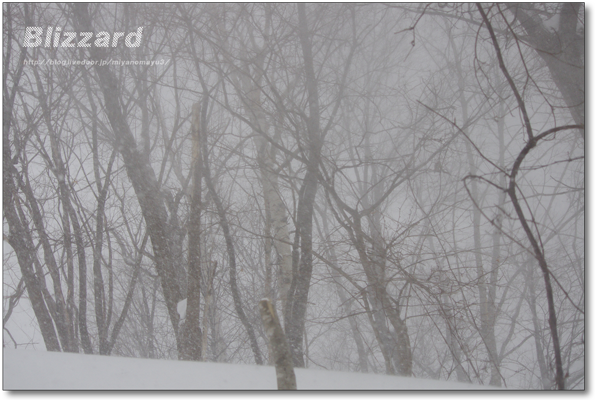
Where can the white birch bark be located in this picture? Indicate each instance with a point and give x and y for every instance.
(266, 157)
(284, 365)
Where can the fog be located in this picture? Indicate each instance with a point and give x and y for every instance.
(404, 182)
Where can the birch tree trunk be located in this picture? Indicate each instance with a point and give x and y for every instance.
(266, 158)
(284, 365)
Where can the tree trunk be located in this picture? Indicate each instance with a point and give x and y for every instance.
(139, 171)
(18, 237)
(298, 294)
(562, 51)
(191, 336)
(284, 366)
(266, 158)
(24, 249)
(529, 274)
(223, 222)
(344, 299)
(486, 290)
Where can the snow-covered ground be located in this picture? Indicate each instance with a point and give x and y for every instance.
(41, 370)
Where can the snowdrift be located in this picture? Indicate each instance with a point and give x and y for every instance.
(41, 370)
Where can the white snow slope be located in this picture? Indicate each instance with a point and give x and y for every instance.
(41, 370)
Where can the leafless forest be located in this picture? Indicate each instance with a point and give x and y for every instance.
(404, 181)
